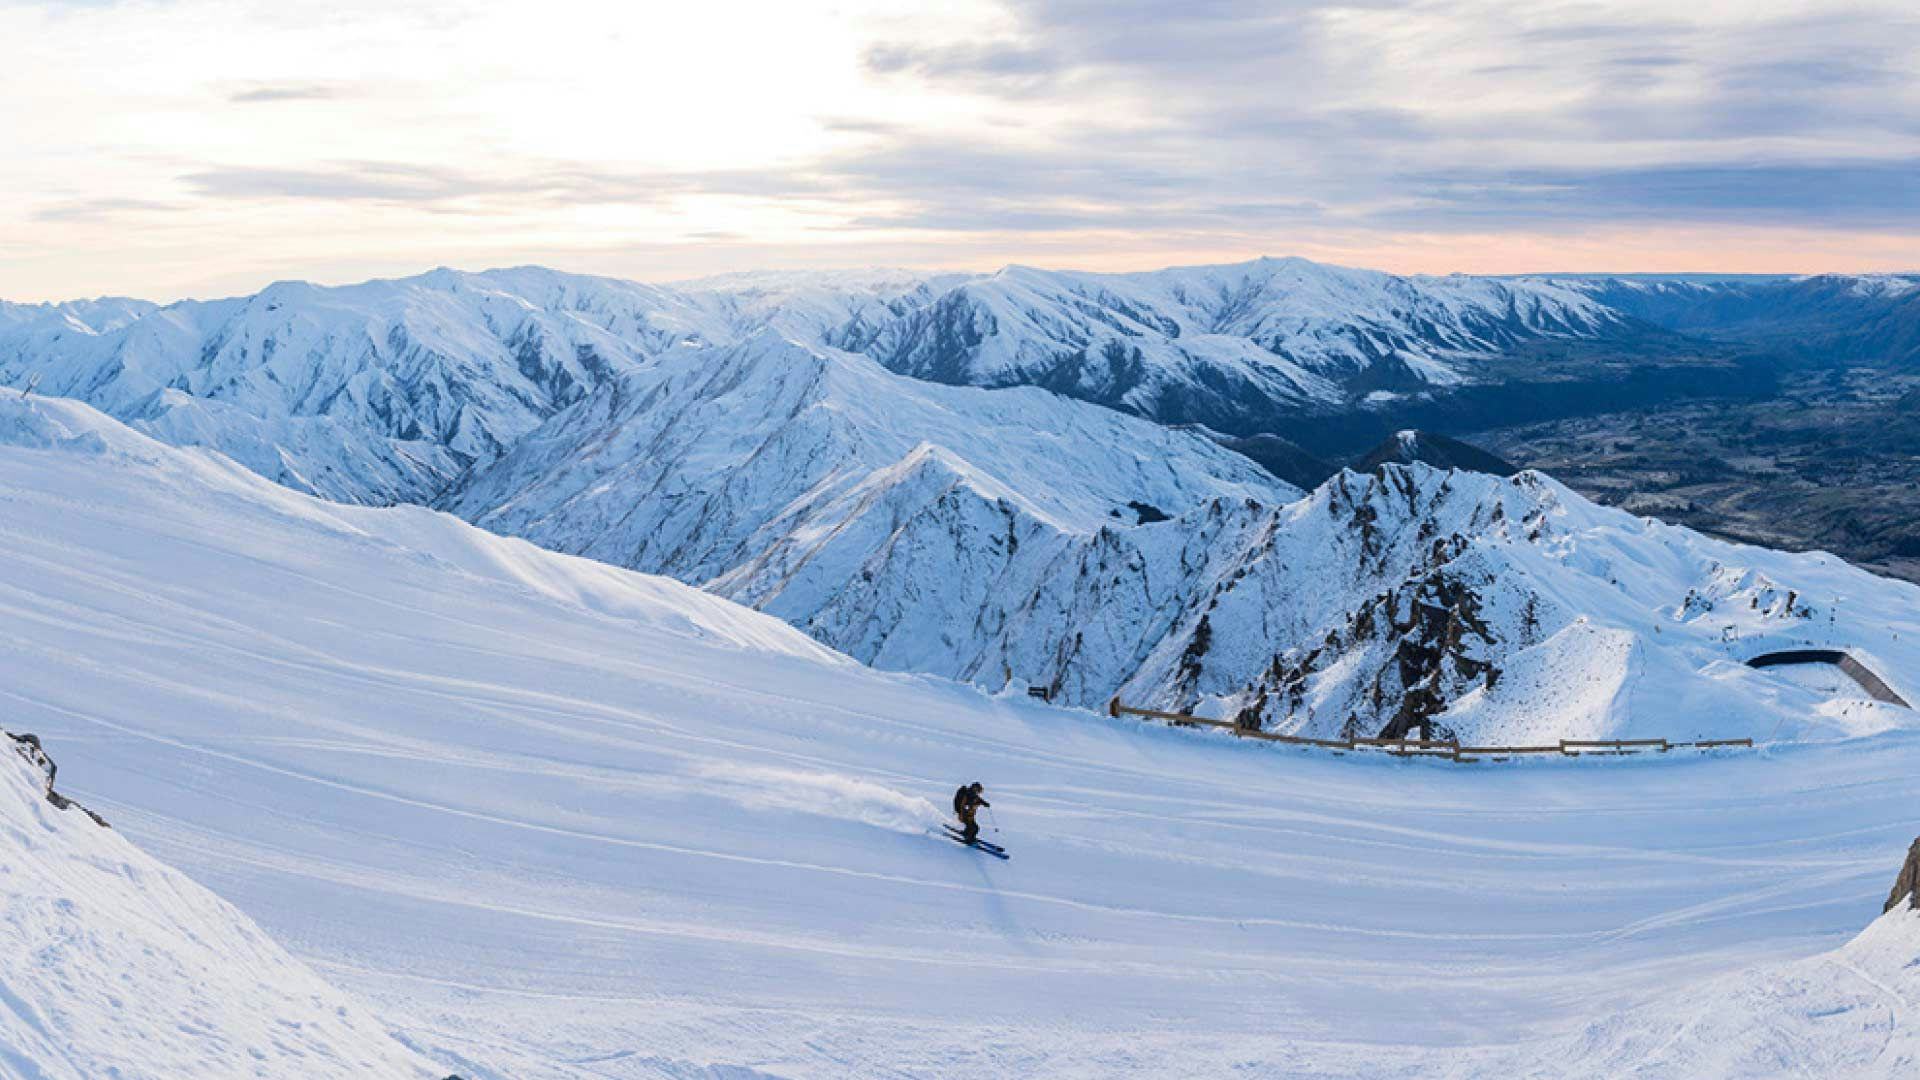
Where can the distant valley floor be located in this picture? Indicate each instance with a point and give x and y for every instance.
(1832, 463)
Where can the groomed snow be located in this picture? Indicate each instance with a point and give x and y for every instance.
(556, 820)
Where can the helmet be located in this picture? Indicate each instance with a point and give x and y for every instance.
(976, 786)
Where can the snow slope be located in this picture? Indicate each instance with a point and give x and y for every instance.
(112, 964)
(1850, 1012)
(556, 820)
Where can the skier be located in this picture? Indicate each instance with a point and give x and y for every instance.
(966, 803)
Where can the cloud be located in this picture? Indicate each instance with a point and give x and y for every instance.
(284, 92)
(999, 60)
(101, 209)
(356, 181)
(1230, 116)
(1083, 128)
(1374, 114)
(403, 183)
(1853, 194)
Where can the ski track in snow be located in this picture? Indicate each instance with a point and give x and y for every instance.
(545, 839)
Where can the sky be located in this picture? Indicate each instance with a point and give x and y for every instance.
(171, 148)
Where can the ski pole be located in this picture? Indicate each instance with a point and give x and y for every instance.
(995, 820)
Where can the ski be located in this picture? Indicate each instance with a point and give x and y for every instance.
(998, 853)
(962, 837)
(987, 846)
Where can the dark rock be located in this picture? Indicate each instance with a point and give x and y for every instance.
(1280, 457)
(28, 746)
(1439, 451)
(1147, 513)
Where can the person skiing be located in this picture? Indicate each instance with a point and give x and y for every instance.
(967, 802)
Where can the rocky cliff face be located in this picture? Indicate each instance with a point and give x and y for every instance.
(1906, 887)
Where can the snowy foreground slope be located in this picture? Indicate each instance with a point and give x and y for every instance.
(114, 965)
(553, 819)
(1845, 1013)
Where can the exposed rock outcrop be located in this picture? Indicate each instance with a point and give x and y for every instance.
(28, 746)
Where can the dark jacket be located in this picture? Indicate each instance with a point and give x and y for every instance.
(966, 803)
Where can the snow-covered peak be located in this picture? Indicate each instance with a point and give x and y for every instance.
(1884, 286)
(386, 390)
(71, 317)
(679, 465)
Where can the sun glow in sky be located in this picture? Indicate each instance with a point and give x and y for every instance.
(189, 147)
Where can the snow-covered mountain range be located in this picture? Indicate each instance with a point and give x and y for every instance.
(385, 391)
(754, 435)
(1835, 318)
(1237, 347)
(1013, 538)
(901, 521)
